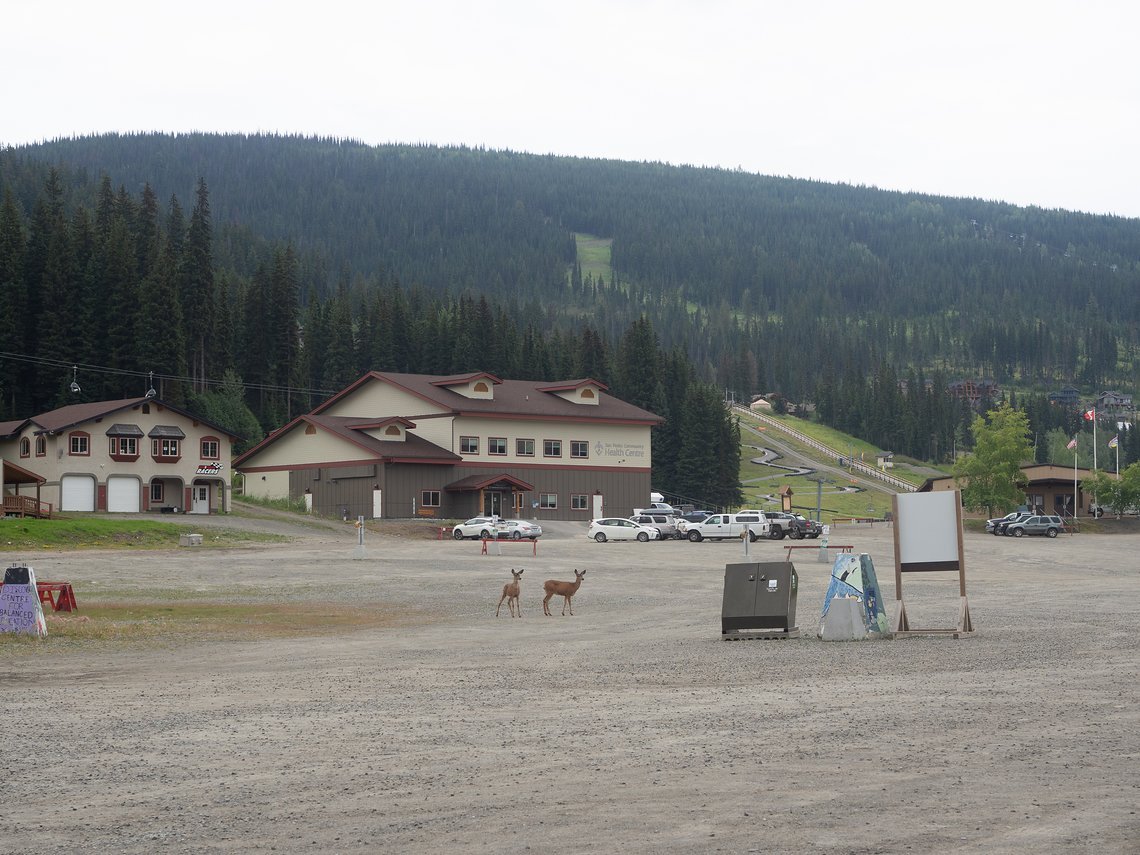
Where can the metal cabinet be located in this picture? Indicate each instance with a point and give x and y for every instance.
(759, 596)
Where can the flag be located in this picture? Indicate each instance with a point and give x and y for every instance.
(1072, 444)
(1090, 415)
(1112, 442)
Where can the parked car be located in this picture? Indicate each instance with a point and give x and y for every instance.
(518, 529)
(665, 524)
(724, 526)
(619, 528)
(1008, 518)
(795, 526)
(1048, 526)
(1000, 525)
(656, 508)
(480, 527)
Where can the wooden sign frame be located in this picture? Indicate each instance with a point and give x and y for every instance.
(928, 538)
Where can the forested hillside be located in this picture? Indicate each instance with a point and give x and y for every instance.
(297, 263)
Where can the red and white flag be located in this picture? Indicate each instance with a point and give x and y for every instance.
(1090, 415)
(1072, 444)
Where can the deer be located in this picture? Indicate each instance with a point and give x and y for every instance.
(566, 590)
(511, 595)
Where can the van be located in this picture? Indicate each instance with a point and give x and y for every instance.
(665, 524)
(725, 526)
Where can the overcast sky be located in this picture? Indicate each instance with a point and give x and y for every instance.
(1035, 103)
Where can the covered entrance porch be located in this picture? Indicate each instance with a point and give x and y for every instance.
(499, 495)
(20, 504)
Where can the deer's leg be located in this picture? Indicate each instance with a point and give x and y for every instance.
(546, 604)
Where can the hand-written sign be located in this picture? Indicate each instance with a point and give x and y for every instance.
(20, 609)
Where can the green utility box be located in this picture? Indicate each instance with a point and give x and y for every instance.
(759, 597)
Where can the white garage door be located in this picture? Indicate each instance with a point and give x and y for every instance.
(122, 494)
(77, 493)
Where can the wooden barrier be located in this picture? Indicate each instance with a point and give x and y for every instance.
(841, 547)
(500, 540)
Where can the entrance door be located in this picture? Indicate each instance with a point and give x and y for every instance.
(200, 499)
(492, 504)
(597, 500)
(377, 505)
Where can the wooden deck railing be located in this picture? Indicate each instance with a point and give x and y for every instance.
(26, 506)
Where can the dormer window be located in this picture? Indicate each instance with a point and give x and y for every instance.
(588, 394)
(392, 430)
(481, 386)
(25, 447)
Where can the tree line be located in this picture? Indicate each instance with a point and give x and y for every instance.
(131, 293)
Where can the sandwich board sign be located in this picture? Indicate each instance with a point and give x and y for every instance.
(928, 539)
(20, 609)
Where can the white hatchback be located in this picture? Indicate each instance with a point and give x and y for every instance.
(618, 528)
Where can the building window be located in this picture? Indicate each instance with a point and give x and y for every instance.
(41, 446)
(524, 447)
(429, 499)
(156, 491)
(579, 502)
(552, 448)
(210, 447)
(164, 447)
(468, 445)
(124, 446)
(497, 445)
(25, 447)
(79, 444)
(548, 501)
(579, 448)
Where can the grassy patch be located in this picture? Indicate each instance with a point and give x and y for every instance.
(95, 533)
(296, 506)
(594, 256)
(171, 619)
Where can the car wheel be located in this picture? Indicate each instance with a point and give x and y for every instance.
(694, 537)
(778, 533)
(486, 535)
(600, 537)
(516, 536)
(643, 536)
(796, 534)
(1018, 532)
(457, 534)
(1052, 532)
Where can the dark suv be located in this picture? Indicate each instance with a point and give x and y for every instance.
(1048, 526)
(1000, 526)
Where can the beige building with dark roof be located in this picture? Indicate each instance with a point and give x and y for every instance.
(127, 456)
(404, 445)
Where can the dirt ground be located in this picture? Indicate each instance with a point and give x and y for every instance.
(630, 727)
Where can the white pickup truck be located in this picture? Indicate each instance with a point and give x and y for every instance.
(725, 526)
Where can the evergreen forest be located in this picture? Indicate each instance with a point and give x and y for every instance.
(254, 275)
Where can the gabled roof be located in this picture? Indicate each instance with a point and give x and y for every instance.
(462, 379)
(570, 385)
(10, 429)
(480, 482)
(72, 415)
(350, 429)
(521, 398)
(14, 474)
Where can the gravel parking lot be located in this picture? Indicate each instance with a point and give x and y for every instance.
(631, 726)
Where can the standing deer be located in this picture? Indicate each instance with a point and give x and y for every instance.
(566, 590)
(511, 595)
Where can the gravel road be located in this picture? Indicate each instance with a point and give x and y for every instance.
(630, 727)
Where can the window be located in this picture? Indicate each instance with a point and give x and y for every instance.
(524, 447)
(210, 446)
(79, 444)
(552, 448)
(124, 446)
(468, 445)
(497, 445)
(429, 499)
(164, 447)
(579, 448)
(41, 446)
(25, 447)
(548, 501)
(579, 502)
(156, 491)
